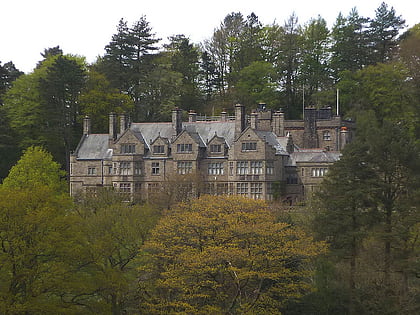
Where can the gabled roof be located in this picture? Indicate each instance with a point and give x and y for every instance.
(276, 142)
(138, 135)
(201, 130)
(194, 135)
(207, 130)
(94, 147)
(150, 131)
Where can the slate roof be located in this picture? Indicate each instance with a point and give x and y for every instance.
(314, 156)
(207, 130)
(94, 147)
(150, 131)
(276, 142)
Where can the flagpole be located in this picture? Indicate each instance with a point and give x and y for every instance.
(338, 97)
(303, 101)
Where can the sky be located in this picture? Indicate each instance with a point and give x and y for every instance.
(85, 27)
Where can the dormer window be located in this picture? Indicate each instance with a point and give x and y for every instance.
(158, 149)
(184, 148)
(128, 148)
(249, 146)
(215, 148)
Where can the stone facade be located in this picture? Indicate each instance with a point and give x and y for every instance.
(261, 156)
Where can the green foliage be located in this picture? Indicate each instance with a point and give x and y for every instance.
(256, 84)
(184, 60)
(98, 99)
(385, 28)
(42, 106)
(367, 210)
(8, 74)
(349, 43)
(36, 236)
(225, 255)
(60, 89)
(36, 168)
(114, 230)
(60, 258)
(314, 69)
(128, 63)
(23, 109)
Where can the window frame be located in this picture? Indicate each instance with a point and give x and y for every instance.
(184, 148)
(248, 146)
(269, 167)
(184, 167)
(159, 149)
(242, 168)
(91, 171)
(256, 190)
(128, 148)
(125, 168)
(155, 168)
(326, 135)
(215, 148)
(256, 167)
(242, 189)
(215, 168)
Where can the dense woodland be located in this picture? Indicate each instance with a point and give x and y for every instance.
(354, 249)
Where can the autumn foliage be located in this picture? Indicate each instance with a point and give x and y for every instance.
(225, 254)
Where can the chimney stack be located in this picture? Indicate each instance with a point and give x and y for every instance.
(290, 146)
(112, 126)
(223, 116)
(123, 123)
(344, 137)
(239, 119)
(192, 116)
(86, 125)
(278, 123)
(177, 121)
(310, 135)
(254, 120)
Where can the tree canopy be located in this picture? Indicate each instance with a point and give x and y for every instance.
(225, 254)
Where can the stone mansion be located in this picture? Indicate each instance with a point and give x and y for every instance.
(260, 155)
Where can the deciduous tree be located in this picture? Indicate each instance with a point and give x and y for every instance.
(225, 255)
(36, 167)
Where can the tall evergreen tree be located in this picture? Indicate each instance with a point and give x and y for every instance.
(314, 70)
(8, 74)
(384, 30)
(128, 62)
(290, 56)
(185, 60)
(60, 90)
(349, 43)
(369, 202)
(210, 79)
(115, 62)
